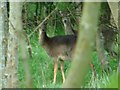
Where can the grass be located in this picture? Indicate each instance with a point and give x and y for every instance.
(41, 67)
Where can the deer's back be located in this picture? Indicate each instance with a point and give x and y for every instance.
(61, 46)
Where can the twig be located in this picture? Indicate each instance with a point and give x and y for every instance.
(72, 15)
(42, 22)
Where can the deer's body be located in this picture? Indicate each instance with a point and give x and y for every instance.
(59, 48)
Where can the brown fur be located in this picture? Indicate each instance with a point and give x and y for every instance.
(59, 48)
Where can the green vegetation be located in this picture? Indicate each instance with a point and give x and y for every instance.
(41, 66)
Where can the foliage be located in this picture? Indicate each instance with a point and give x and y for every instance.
(64, 6)
(41, 65)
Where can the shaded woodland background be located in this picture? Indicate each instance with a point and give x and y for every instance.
(30, 56)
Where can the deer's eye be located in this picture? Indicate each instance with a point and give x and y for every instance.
(65, 21)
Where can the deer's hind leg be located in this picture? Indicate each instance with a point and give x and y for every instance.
(62, 70)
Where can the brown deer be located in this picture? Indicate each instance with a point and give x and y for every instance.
(59, 47)
(67, 24)
(70, 31)
(99, 45)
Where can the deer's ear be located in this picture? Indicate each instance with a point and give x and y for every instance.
(40, 31)
(68, 14)
(61, 13)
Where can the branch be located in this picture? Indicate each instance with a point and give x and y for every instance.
(43, 22)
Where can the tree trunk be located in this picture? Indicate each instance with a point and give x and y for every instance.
(78, 11)
(84, 47)
(119, 39)
(12, 55)
(101, 51)
(114, 9)
(3, 41)
(24, 17)
(36, 12)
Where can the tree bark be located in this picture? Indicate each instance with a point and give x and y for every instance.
(12, 55)
(119, 39)
(11, 66)
(24, 45)
(101, 52)
(84, 47)
(24, 19)
(114, 9)
(3, 41)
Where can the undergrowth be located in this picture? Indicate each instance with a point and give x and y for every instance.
(41, 69)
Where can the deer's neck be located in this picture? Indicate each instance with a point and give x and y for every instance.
(68, 29)
(44, 38)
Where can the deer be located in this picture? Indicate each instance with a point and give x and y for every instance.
(101, 34)
(67, 24)
(60, 48)
(69, 30)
